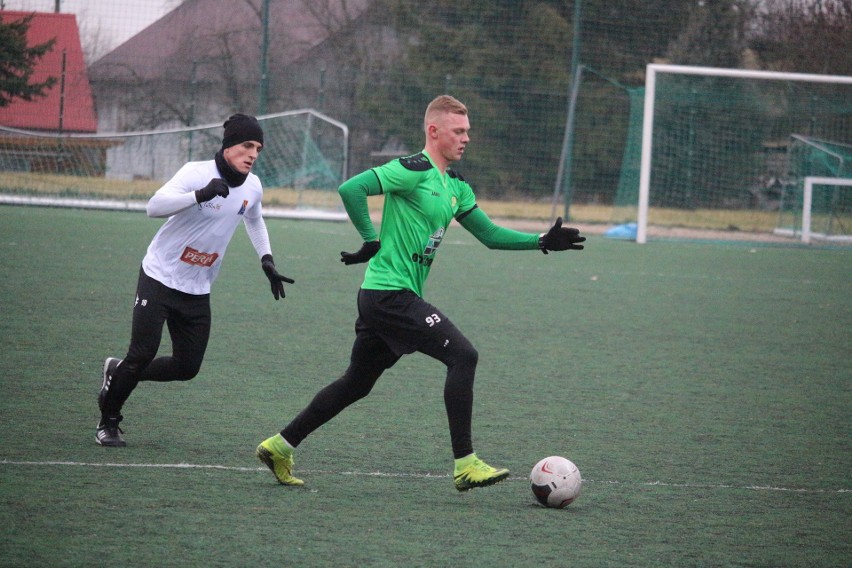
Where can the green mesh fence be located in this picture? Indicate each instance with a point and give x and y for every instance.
(627, 197)
(720, 146)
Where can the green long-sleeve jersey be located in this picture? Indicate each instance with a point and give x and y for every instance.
(420, 203)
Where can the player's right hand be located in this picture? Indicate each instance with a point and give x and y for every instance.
(368, 251)
(216, 188)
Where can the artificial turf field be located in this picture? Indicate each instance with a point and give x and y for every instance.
(703, 389)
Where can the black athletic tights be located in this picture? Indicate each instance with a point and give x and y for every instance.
(371, 356)
(188, 319)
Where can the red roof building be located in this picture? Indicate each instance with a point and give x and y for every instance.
(69, 105)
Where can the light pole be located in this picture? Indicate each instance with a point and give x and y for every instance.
(264, 48)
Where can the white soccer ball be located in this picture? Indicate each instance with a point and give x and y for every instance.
(555, 482)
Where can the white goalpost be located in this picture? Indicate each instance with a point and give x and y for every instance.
(807, 201)
(305, 159)
(764, 102)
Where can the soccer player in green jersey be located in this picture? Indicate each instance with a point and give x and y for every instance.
(422, 196)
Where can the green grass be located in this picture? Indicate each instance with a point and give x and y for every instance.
(702, 389)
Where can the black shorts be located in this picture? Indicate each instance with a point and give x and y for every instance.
(405, 321)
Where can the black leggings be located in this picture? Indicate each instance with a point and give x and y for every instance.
(188, 318)
(378, 348)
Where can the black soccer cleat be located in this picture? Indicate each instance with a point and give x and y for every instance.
(109, 434)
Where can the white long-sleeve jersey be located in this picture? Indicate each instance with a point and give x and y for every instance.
(186, 253)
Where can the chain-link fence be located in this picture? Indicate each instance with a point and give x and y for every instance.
(373, 65)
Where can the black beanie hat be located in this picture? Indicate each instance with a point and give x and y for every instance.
(240, 128)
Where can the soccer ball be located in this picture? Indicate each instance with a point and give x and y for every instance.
(555, 482)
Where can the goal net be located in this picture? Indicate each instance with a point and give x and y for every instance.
(304, 160)
(727, 150)
(816, 202)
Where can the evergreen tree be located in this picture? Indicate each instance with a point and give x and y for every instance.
(17, 62)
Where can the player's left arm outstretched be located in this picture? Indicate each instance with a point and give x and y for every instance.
(558, 238)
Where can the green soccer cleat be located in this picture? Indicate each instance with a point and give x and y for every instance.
(278, 457)
(470, 472)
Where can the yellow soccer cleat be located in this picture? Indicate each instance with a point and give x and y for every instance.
(470, 472)
(278, 457)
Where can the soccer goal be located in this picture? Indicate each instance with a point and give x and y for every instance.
(717, 147)
(814, 203)
(825, 219)
(304, 160)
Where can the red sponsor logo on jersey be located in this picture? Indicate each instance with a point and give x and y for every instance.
(198, 258)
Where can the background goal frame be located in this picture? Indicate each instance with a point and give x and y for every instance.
(807, 201)
(649, 109)
(305, 158)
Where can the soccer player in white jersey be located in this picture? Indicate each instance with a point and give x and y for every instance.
(204, 202)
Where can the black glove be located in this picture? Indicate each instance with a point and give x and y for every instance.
(368, 251)
(275, 279)
(560, 238)
(216, 187)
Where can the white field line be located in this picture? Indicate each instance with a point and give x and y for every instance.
(413, 475)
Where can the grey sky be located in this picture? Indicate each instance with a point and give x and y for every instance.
(104, 24)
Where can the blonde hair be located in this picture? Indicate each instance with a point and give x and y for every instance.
(440, 105)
